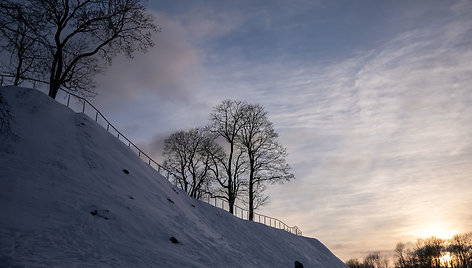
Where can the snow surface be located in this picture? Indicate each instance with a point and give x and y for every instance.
(66, 202)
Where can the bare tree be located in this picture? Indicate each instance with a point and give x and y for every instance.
(428, 252)
(400, 258)
(81, 35)
(372, 260)
(354, 263)
(226, 122)
(266, 156)
(250, 158)
(21, 50)
(460, 247)
(375, 260)
(186, 156)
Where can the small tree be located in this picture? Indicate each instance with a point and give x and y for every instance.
(460, 248)
(354, 263)
(375, 260)
(427, 252)
(186, 156)
(265, 155)
(372, 260)
(400, 255)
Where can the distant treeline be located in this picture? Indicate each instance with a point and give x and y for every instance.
(425, 253)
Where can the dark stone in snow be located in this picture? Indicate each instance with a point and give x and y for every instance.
(125, 171)
(298, 264)
(168, 199)
(130, 197)
(174, 240)
(101, 213)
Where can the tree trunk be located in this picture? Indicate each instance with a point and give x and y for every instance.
(231, 203)
(251, 201)
(251, 190)
(230, 195)
(53, 89)
(56, 69)
(230, 179)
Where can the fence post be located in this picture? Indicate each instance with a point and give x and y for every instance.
(68, 99)
(83, 107)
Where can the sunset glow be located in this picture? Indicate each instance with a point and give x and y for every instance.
(446, 260)
(439, 230)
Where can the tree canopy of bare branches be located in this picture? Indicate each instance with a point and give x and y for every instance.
(186, 155)
(20, 49)
(238, 153)
(226, 122)
(74, 38)
(266, 156)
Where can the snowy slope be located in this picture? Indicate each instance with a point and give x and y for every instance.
(66, 202)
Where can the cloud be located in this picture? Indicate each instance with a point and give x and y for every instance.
(155, 147)
(382, 140)
(171, 69)
(205, 24)
(375, 140)
(160, 91)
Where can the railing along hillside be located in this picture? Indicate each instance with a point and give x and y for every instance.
(80, 104)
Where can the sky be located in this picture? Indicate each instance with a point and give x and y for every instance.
(372, 99)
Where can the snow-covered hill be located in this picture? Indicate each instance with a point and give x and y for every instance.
(66, 200)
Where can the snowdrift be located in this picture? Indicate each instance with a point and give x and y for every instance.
(72, 195)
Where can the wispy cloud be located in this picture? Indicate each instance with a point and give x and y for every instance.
(161, 70)
(383, 140)
(157, 92)
(380, 141)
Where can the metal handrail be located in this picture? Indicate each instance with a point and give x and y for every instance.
(238, 211)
